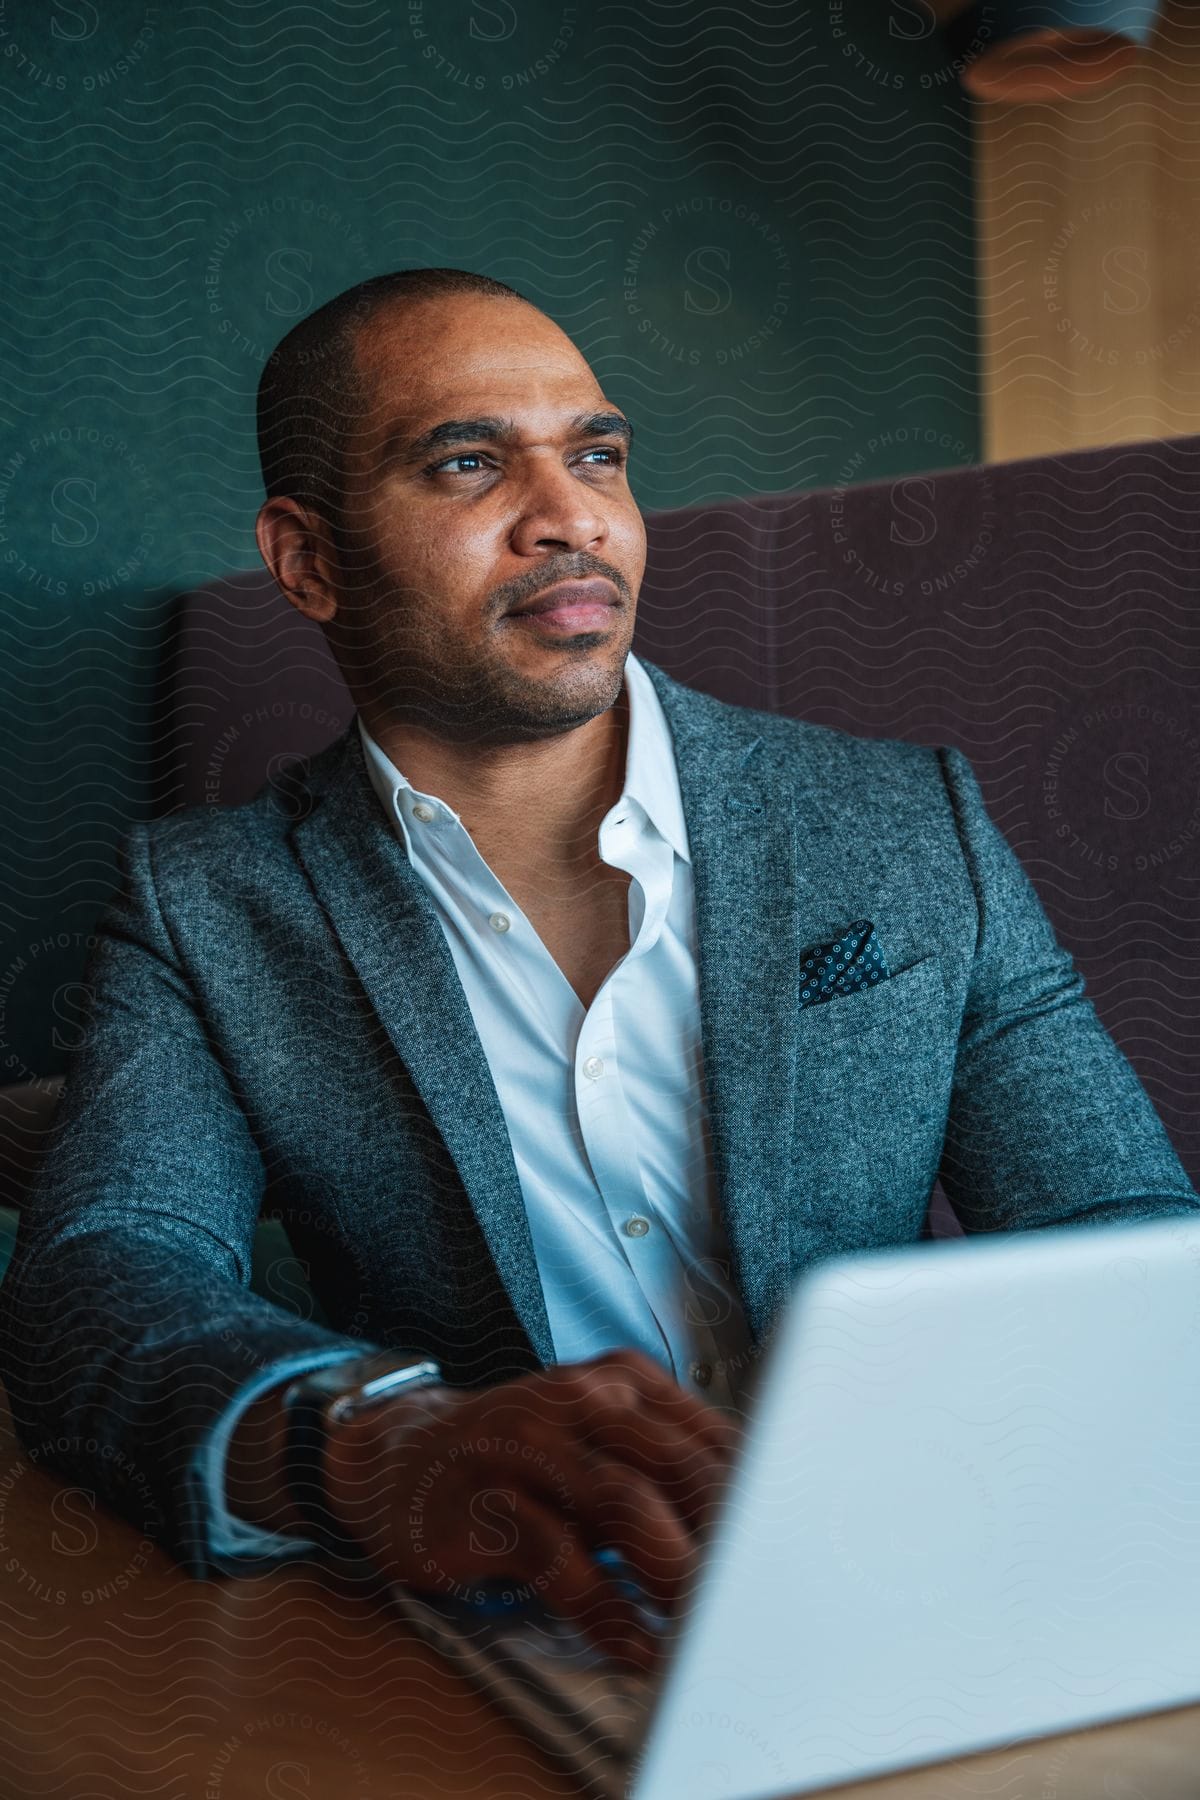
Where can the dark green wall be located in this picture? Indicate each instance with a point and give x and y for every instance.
(754, 218)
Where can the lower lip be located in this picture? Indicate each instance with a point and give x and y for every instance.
(562, 620)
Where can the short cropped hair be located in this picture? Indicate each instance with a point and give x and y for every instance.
(311, 393)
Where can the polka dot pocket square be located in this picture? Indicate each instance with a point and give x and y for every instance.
(852, 962)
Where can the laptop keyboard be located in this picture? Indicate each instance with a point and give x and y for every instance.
(541, 1670)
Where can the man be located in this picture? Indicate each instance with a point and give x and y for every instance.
(565, 1018)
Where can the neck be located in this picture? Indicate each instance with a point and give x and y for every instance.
(536, 805)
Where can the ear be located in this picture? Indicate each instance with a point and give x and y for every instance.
(295, 544)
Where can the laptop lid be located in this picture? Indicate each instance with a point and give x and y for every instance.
(968, 1513)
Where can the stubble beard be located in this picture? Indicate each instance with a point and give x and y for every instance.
(409, 666)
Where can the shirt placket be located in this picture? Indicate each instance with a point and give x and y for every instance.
(605, 1122)
(521, 959)
(640, 1233)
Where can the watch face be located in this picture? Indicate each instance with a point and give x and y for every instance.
(354, 1372)
(360, 1381)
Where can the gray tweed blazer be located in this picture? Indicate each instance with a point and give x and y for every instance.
(276, 1024)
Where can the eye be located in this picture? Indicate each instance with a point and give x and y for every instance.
(614, 456)
(464, 456)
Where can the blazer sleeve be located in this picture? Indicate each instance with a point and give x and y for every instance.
(126, 1322)
(1048, 1123)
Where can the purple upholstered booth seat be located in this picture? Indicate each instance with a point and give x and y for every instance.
(1044, 616)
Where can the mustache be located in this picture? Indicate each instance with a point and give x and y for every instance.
(548, 574)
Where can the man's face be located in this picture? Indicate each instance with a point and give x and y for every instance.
(488, 470)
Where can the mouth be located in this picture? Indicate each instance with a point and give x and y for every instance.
(570, 606)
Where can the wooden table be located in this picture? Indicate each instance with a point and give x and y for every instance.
(121, 1678)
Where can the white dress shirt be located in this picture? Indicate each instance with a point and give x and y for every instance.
(605, 1105)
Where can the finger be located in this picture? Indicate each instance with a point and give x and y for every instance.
(687, 1446)
(674, 1418)
(682, 1466)
(677, 1459)
(556, 1568)
(626, 1512)
(606, 1502)
(587, 1594)
(622, 1384)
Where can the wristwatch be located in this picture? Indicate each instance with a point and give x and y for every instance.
(320, 1397)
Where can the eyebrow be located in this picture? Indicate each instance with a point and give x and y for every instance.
(399, 449)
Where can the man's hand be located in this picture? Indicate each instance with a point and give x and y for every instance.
(519, 1484)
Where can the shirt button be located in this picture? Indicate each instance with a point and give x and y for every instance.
(423, 811)
(636, 1227)
(701, 1373)
(499, 921)
(593, 1068)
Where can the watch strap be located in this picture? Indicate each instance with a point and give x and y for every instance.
(307, 1403)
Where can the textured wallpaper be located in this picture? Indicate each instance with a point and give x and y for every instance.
(755, 219)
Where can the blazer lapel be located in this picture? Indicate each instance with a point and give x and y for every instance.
(762, 849)
(389, 928)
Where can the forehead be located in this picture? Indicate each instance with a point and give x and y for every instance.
(470, 355)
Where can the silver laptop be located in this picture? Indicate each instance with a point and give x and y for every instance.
(967, 1514)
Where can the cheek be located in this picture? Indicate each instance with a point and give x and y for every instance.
(428, 555)
(449, 571)
(627, 534)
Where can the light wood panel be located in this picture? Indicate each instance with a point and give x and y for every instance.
(121, 1677)
(1088, 223)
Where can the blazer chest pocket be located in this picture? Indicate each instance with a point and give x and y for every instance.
(910, 1000)
(873, 1076)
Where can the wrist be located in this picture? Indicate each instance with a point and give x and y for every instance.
(255, 1489)
(343, 1395)
(368, 1459)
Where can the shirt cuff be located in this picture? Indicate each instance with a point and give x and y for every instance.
(231, 1538)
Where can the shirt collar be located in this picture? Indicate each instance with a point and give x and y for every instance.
(651, 775)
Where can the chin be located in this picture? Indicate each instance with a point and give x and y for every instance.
(581, 682)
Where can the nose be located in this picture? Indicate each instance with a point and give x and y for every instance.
(558, 512)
